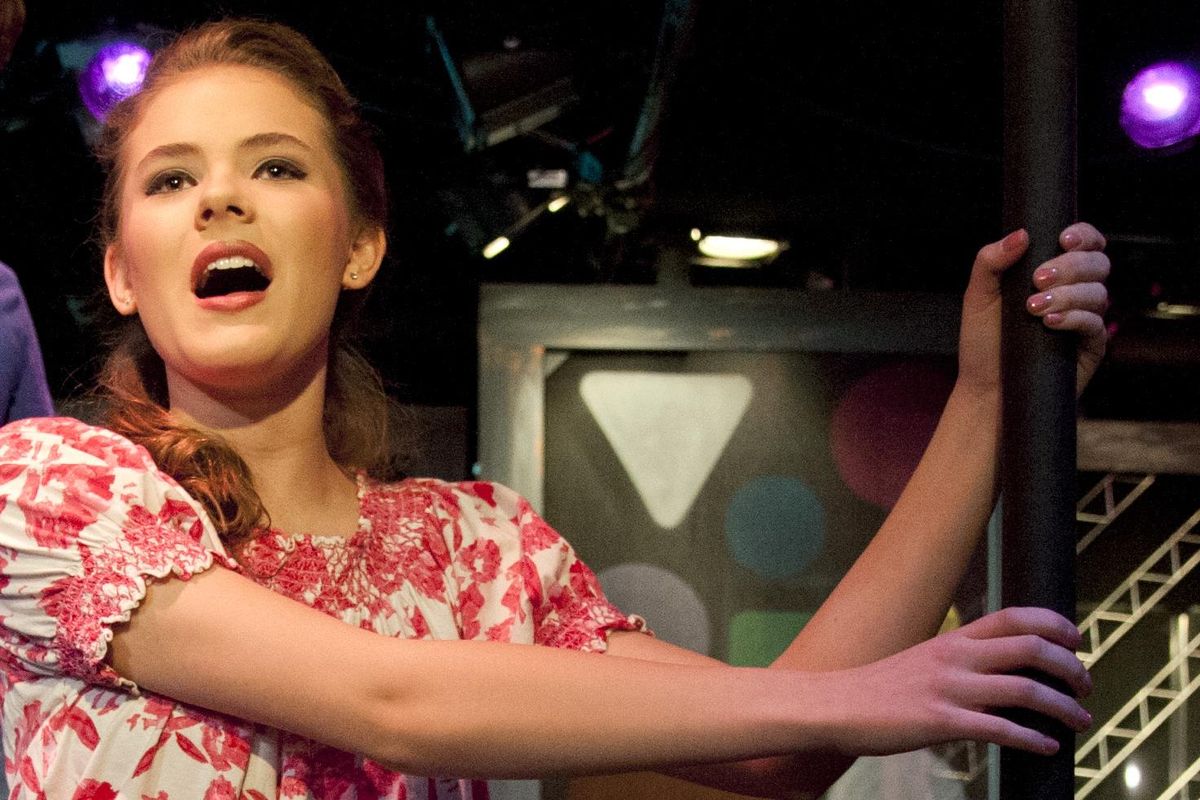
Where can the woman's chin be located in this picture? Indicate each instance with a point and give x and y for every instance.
(246, 369)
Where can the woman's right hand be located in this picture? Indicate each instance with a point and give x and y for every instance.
(953, 687)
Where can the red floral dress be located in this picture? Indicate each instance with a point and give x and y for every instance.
(86, 518)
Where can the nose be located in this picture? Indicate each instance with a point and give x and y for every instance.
(222, 200)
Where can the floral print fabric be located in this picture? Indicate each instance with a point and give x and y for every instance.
(86, 519)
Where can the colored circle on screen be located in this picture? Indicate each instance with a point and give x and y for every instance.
(882, 424)
(673, 609)
(775, 526)
(756, 638)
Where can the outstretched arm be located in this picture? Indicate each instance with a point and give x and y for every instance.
(897, 592)
(498, 710)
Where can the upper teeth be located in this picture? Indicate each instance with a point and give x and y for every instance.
(231, 262)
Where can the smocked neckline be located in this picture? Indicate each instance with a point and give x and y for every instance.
(326, 539)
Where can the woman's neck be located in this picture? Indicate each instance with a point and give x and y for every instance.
(281, 438)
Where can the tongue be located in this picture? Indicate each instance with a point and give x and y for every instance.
(227, 281)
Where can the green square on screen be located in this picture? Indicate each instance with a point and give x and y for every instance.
(756, 638)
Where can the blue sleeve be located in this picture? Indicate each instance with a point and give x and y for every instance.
(23, 389)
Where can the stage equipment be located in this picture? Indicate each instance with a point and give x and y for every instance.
(115, 72)
(738, 248)
(495, 247)
(501, 95)
(537, 105)
(501, 243)
(1161, 105)
(1038, 366)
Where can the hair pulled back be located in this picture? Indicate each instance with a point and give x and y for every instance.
(133, 379)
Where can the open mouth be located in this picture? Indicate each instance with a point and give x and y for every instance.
(229, 275)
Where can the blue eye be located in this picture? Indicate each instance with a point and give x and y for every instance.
(169, 181)
(278, 169)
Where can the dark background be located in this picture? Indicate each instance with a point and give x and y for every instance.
(866, 134)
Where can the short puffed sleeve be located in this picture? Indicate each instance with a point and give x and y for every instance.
(85, 518)
(514, 570)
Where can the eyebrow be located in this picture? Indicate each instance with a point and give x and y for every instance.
(258, 140)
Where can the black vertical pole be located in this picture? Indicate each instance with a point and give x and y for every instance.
(1038, 444)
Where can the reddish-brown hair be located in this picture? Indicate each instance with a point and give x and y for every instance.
(133, 379)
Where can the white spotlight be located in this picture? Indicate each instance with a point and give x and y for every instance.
(496, 246)
(1133, 776)
(740, 248)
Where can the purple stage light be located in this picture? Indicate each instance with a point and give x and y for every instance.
(1161, 105)
(115, 72)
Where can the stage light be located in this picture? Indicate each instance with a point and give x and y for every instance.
(1175, 311)
(500, 95)
(1133, 776)
(547, 178)
(738, 248)
(114, 72)
(496, 246)
(509, 235)
(1161, 105)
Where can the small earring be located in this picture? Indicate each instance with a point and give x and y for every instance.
(353, 276)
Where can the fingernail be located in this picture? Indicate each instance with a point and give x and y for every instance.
(1013, 241)
(1039, 301)
(1044, 275)
(1070, 239)
(1053, 318)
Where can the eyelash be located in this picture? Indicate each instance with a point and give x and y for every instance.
(292, 171)
(159, 184)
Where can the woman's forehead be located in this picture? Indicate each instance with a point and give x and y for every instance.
(221, 105)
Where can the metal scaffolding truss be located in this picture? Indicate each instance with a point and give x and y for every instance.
(1145, 712)
(1139, 592)
(1180, 789)
(1166, 695)
(1105, 501)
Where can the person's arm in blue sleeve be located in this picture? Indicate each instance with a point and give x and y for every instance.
(23, 388)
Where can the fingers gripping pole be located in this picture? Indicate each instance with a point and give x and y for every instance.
(1038, 365)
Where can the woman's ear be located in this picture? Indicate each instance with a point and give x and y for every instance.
(120, 290)
(366, 254)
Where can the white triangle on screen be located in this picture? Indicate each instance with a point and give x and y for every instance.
(668, 430)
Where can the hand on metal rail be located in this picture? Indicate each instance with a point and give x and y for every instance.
(1070, 296)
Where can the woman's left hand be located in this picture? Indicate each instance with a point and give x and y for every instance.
(1070, 296)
